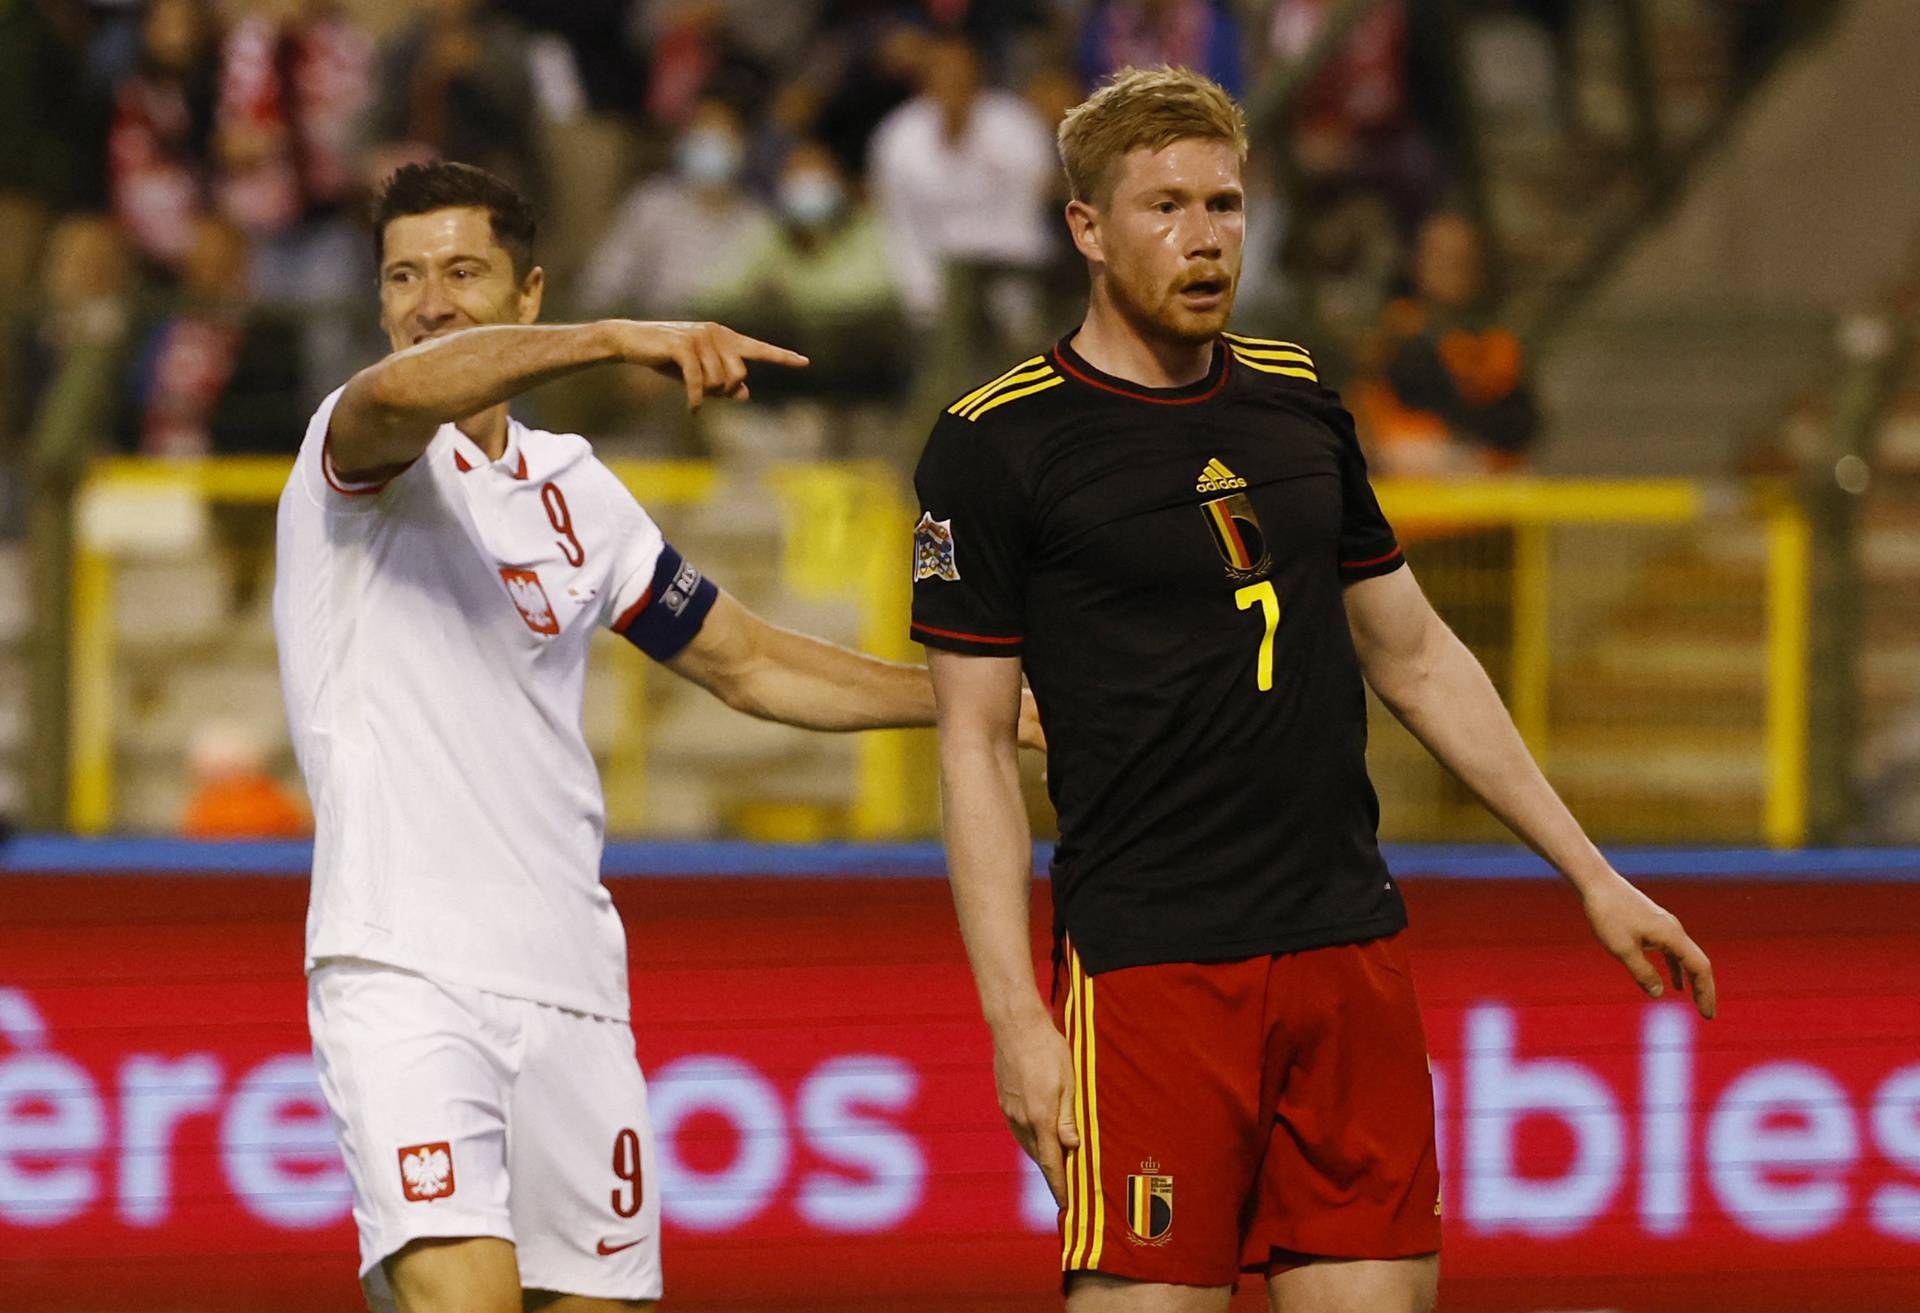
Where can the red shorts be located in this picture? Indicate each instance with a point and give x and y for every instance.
(1249, 1116)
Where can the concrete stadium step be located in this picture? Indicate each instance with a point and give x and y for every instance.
(1671, 395)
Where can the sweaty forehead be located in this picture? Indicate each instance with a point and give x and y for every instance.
(1189, 164)
(441, 235)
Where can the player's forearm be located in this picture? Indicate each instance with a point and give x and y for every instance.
(799, 680)
(990, 867)
(392, 408)
(1444, 697)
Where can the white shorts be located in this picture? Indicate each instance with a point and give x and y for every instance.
(465, 1113)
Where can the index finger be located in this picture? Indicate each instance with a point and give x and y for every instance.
(752, 348)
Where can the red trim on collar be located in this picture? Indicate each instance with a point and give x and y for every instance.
(520, 470)
(1226, 365)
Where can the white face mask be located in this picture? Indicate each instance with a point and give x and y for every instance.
(812, 198)
(708, 157)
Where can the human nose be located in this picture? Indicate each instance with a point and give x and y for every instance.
(1203, 234)
(434, 307)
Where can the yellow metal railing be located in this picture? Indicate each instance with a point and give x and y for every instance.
(845, 530)
(1534, 508)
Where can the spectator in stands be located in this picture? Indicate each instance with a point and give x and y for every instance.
(87, 289)
(160, 144)
(1348, 252)
(234, 795)
(1354, 128)
(53, 127)
(72, 367)
(960, 173)
(1198, 34)
(861, 63)
(456, 84)
(817, 280)
(671, 236)
(696, 56)
(295, 83)
(215, 375)
(599, 37)
(1448, 392)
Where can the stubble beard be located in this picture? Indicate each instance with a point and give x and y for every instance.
(1167, 320)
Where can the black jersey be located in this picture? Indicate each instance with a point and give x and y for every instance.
(1168, 565)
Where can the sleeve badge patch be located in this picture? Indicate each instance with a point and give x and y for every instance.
(426, 1172)
(933, 549)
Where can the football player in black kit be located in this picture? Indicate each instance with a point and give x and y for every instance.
(1169, 528)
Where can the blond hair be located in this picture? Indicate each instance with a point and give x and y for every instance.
(1150, 107)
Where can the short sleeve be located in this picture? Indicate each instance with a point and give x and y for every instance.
(314, 465)
(1368, 546)
(657, 600)
(970, 545)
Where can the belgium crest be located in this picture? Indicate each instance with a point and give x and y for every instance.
(1236, 533)
(1149, 1205)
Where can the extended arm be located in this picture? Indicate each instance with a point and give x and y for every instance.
(796, 679)
(390, 410)
(990, 865)
(777, 674)
(1428, 678)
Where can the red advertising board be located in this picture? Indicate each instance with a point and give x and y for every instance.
(820, 1086)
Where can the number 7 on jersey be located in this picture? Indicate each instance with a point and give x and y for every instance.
(1262, 593)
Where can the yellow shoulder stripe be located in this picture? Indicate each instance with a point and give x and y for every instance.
(1293, 369)
(1012, 383)
(1049, 380)
(1270, 353)
(980, 392)
(1267, 345)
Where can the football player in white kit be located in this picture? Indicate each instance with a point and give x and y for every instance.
(442, 568)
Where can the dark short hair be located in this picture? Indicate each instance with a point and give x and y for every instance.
(448, 185)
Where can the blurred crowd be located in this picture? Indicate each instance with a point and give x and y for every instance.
(186, 197)
(186, 269)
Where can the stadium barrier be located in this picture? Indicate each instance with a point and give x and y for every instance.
(840, 525)
(820, 1086)
(1650, 636)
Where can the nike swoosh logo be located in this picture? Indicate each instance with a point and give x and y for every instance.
(604, 1248)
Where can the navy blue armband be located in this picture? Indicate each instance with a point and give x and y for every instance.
(671, 611)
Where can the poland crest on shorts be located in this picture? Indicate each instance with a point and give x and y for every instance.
(933, 549)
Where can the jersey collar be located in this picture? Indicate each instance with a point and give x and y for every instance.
(1070, 363)
(467, 455)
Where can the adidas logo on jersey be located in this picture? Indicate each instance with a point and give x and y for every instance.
(1217, 478)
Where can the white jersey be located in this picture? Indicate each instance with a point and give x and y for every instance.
(433, 634)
